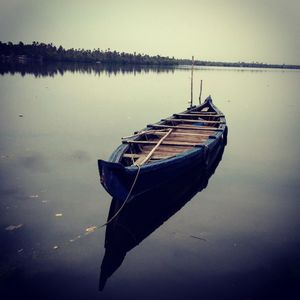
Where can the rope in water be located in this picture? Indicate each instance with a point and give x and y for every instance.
(125, 201)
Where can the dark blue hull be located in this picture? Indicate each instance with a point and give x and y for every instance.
(118, 179)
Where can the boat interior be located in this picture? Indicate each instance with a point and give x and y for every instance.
(171, 136)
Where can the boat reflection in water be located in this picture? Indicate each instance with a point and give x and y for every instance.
(146, 212)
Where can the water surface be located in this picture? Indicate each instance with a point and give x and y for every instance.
(54, 125)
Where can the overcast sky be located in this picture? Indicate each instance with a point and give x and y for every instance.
(221, 30)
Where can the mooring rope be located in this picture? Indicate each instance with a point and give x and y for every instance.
(125, 201)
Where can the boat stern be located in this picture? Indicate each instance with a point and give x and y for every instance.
(113, 178)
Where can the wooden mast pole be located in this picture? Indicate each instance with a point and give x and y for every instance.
(192, 80)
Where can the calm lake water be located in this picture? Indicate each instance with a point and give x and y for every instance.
(236, 239)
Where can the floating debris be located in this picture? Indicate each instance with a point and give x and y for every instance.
(58, 215)
(20, 250)
(34, 196)
(21, 115)
(44, 201)
(13, 227)
(55, 247)
(198, 238)
(91, 229)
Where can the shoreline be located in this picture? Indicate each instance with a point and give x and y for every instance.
(24, 60)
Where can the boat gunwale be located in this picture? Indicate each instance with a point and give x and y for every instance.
(118, 153)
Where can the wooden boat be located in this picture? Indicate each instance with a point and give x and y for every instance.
(163, 150)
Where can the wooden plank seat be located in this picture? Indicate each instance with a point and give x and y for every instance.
(178, 133)
(201, 133)
(155, 156)
(197, 115)
(162, 152)
(203, 112)
(171, 143)
(193, 121)
(166, 149)
(186, 127)
(191, 138)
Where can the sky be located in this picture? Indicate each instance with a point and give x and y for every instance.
(219, 30)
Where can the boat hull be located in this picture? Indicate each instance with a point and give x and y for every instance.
(118, 180)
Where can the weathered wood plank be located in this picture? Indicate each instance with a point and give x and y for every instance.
(198, 115)
(170, 153)
(206, 128)
(166, 149)
(164, 131)
(182, 138)
(157, 145)
(203, 112)
(155, 156)
(201, 133)
(193, 121)
(140, 160)
(170, 143)
(175, 133)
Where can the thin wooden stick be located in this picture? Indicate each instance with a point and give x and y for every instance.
(200, 92)
(157, 145)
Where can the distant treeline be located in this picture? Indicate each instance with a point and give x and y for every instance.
(236, 64)
(48, 52)
(41, 52)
